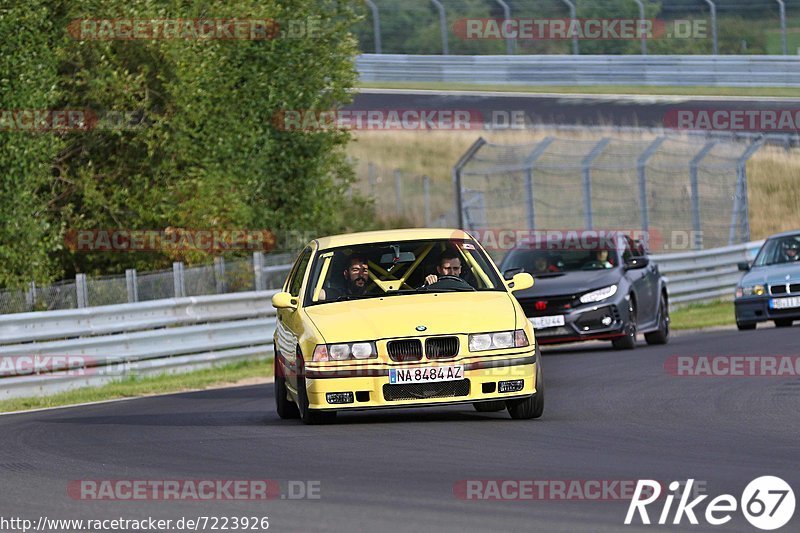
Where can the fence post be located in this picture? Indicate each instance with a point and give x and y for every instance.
(258, 270)
(30, 296)
(642, 26)
(371, 178)
(641, 166)
(398, 192)
(426, 191)
(507, 16)
(219, 274)
(530, 198)
(82, 290)
(741, 204)
(177, 279)
(586, 166)
(442, 26)
(713, 7)
(696, 222)
(573, 16)
(459, 166)
(782, 6)
(131, 284)
(376, 25)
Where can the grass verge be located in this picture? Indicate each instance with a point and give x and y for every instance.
(143, 386)
(698, 316)
(677, 90)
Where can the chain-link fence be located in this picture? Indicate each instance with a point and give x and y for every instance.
(662, 187)
(260, 272)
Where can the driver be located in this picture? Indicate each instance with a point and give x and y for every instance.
(791, 251)
(449, 265)
(356, 277)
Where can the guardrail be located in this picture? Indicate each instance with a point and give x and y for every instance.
(725, 71)
(706, 274)
(48, 352)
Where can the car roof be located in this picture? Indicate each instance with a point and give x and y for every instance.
(791, 233)
(396, 235)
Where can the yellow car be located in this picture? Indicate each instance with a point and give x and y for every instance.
(402, 318)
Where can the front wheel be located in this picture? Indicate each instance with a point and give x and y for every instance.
(532, 406)
(307, 415)
(661, 335)
(286, 408)
(628, 342)
(783, 323)
(745, 327)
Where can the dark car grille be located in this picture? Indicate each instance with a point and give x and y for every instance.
(405, 350)
(548, 306)
(781, 289)
(422, 391)
(441, 347)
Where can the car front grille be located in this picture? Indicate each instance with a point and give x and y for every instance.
(441, 347)
(785, 288)
(405, 350)
(548, 306)
(423, 391)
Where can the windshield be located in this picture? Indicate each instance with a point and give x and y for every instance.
(779, 250)
(397, 268)
(552, 262)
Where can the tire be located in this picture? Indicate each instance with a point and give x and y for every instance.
(784, 323)
(661, 335)
(285, 407)
(489, 407)
(745, 326)
(628, 342)
(532, 406)
(309, 416)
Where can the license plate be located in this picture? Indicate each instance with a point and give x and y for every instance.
(541, 322)
(785, 303)
(426, 374)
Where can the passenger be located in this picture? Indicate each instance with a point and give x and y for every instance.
(601, 258)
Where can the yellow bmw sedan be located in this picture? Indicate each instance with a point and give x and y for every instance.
(402, 318)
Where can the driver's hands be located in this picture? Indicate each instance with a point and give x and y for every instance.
(431, 279)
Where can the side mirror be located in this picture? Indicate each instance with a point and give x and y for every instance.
(744, 266)
(636, 262)
(520, 282)
(284, 300)
(509, 274)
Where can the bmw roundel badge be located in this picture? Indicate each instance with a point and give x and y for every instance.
(421, 328)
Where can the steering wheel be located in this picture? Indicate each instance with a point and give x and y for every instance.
(451, 280)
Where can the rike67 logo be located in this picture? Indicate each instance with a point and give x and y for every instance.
(767, 503)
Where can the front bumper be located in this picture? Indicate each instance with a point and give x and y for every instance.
(754, 309)
(370, 387)
(601, 321)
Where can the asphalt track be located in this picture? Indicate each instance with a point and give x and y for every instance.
(609, 415)
(560, 109)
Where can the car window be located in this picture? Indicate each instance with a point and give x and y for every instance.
(296, 278)
(627, 251)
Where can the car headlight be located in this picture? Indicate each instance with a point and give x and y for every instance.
(480, 342)
(345, 350)
(599, 294)
(752, 290)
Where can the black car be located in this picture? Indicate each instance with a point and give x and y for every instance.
(612, 292)
(770, 290)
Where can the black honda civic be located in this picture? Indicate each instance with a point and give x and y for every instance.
(609, 292)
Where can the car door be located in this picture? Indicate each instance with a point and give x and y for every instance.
(638, 278)
(289, 325)
(651, 283)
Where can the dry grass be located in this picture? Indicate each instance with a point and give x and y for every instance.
(773, 173)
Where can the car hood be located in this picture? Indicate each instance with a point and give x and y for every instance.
(571, 283)
(772, 275)
(399, 316)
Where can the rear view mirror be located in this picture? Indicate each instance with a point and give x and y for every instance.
(744, 266)
(402, 257)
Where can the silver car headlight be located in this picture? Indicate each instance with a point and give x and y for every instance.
(345, 350)
(750, 290)
(599, 294)
(480, 342)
